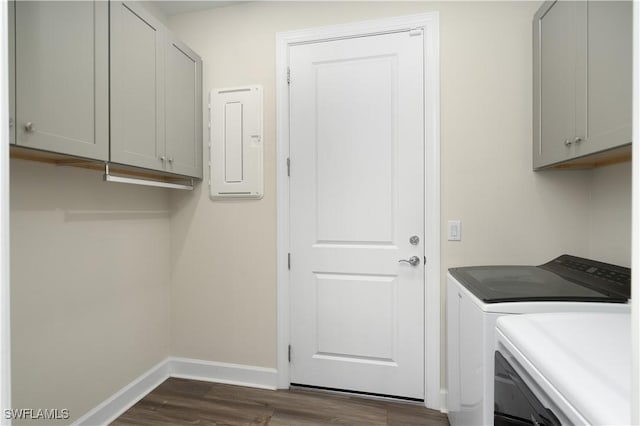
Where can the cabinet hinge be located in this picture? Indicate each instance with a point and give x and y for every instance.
(288, 75)
(289, 353)
(289, 261)
(288, 167)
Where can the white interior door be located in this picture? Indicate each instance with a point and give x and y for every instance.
(357, 198)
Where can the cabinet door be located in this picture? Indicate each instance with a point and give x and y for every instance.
(609, 39)
(555, 37)
(137, 95)
(11, 28)
(61, 76)
(183, 109)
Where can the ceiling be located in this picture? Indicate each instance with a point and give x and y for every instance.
(176, 7)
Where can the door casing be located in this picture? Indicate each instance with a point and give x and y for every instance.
(429, 23)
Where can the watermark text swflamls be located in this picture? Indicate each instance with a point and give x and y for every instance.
(36, 414)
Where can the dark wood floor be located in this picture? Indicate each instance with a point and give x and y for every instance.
(191, 402)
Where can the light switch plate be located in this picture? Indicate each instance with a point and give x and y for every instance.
(454, 230)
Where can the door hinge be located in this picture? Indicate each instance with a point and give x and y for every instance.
(288, 75)
(288, 167)
(289, 261)
(289, 353)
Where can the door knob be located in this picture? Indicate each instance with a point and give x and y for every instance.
(413, 260)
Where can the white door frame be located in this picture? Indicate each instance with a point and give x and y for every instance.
(5, 333)
(635, 225)
(429, 22)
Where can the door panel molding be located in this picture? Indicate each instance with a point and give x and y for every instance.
(429, 24)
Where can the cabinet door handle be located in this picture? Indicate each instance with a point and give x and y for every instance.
(163, 158)
(170, 160)
(568, 142)
(578, 139)
(28, 127)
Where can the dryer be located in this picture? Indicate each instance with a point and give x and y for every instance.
(563, 369)
(478, 295)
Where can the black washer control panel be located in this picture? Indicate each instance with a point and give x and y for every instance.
(604, 277)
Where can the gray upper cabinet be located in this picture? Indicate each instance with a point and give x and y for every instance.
(11, 17)
(610, 68)
(156, 95)
(183, 109)
(557, 68)
(103, 81)
(582, 80)
(61, 77)
(137, 80)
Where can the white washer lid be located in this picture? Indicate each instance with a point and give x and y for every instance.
(586, 357)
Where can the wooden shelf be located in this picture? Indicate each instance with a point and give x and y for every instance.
(613, 156)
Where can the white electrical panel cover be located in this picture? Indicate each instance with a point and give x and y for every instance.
(235, 162)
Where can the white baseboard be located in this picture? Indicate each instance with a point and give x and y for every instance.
(184, 368)
(125, 398)
(443, 401)
(220, 372)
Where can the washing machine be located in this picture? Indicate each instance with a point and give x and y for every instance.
(478, 295)
(569, 368)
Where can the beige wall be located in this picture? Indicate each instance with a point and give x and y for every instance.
(89, 285)
(223, 289)
(610, 208)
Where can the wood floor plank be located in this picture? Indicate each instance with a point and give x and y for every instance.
(191, 402)
(184, 387)
(173, 408)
